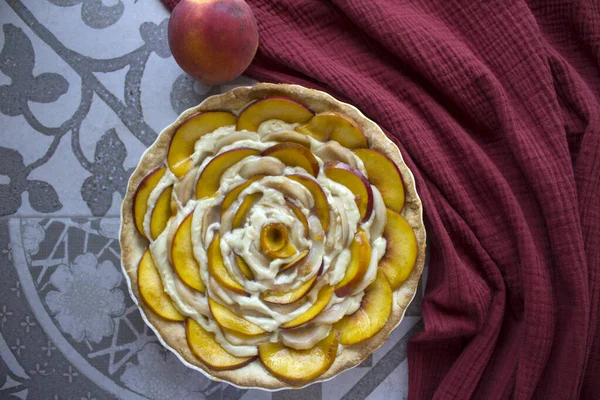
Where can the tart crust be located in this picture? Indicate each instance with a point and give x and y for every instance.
(172, 334)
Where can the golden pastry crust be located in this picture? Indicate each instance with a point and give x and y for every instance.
(133, 245)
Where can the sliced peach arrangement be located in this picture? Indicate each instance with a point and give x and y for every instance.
(323, 298)
(295, 358)
(182, 256)
(186, 136)
(141, 196)
(244, 267)
(294, 155)
(218, 270)
(372, 315)
(234, 193)
(266, 166)
(287, 136)
(204, 346)
(229, 320)
(152, 291)
(281, 108)
(161, 213)
(210, 178)
(360, 257)
(385, 176)
(321, 203)
(354, 180)
(299, 215)
(240, 216)
(296, 261)
(245, 339)
(288, 297)
(401, 249)
(299, 366)
(333, 126)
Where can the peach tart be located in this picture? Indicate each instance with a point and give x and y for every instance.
(272, 236)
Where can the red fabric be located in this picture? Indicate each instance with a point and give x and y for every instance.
(495, 106)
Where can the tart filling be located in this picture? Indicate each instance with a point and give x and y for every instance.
(276, 235)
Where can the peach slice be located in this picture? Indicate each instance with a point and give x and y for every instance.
(385, 176)
(184, 190)
(299, 366)
(296, 261)
(235, 193)
(152, 291)
(182, 256)
(321, 204)
(287, 136)
(238, 339)
(274, 241)
(298, 214)
(205, 347)
(210, 217)
(218, 270)
(142, 193)
(210, 178)
(333, 151)
(354, 180)
(184, 139)
(325, 294)
(227, 319)
(333, 126)
(244, 268)
(281, 108)
(273, 296)
(360, 257)
(267, 166)
(304, 337)
(401, 249)
(242, 212)
(161, 213)
(372, 315)
(294, 155)
(290, 190)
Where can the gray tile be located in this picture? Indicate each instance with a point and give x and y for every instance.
(337, 387)
(256, 394)
(67, 279)
(368, 363)
(394, 386)
(311, 392)
(376, 375)
(414, 308)
(232, 393)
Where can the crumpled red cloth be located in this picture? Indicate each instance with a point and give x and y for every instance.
(495, 106)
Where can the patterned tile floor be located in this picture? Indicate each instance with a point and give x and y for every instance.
(85, 86)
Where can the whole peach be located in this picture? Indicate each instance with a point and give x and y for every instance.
(213, 41)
